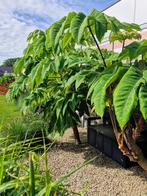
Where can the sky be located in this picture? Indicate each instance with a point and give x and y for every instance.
(20, 17)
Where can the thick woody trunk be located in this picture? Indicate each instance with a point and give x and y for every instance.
(143, 164)
(76, 133)
(136, 152)
(126, 142)
(127, 137)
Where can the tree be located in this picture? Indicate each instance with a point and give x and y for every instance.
(62, 71)
(7, 65)
(9, 62)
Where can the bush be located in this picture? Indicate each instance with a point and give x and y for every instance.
(5, 81)
(29, 126)
(7, 78)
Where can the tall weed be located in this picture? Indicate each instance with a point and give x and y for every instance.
(21, 173)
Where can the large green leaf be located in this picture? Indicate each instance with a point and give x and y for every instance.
(35, 75)
(78, 79)
(76, 24)
(35, 35)
(100, 24)
(53, 31)
(67, 38)
(28, 51)
(65, 25)
(36, 47)
(18, 66)
(45, 68)
(130, 51)
(131, 26)
(142, 49)
(143, 100)
(114, 25)
(125, 95)
(108, 76)
(82, 28)
(59, 63)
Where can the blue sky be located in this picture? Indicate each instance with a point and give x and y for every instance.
(19, 17)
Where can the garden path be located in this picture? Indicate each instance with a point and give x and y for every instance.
(103, 177)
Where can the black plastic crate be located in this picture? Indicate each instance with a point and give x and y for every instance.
(102, 137)
(91, 134)
(118, 156)
(108, 144)
(99, 141)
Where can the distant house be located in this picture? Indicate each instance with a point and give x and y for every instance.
(132, 11)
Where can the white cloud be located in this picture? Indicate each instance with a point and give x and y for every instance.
(19, 17)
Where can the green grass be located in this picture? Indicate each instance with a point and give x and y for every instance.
(8, 111)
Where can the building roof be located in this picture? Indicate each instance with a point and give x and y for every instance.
(110, 5)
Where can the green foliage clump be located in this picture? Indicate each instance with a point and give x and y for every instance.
(9, 62)
(55, 73)
(29, 126)
(7, 78)
(63, 76)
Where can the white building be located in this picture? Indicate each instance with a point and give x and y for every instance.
(132, 11)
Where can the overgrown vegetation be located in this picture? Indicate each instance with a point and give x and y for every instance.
(24, 128)
(7, 65)
(64, 74)
(6, 78)
(24, 172)
(5, 81)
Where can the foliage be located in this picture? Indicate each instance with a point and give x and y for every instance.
(29, 126)
(134, 50)
(124, 35)
(9, 63)
(5, 81)
(54, 74)
(64, 76)
(7, 78)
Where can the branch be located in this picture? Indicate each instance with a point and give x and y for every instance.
(139, 125)
(90, 30)
(123, 45)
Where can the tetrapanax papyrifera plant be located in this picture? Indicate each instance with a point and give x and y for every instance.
(64, 68)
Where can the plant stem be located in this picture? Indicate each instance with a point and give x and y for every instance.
(139, 125)
(90, 30)
(76, 133)
(113, 46)
(118, 134)
(123, 45)
(32, 175)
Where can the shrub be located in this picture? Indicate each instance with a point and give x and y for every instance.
(29, 126)
(5, 81)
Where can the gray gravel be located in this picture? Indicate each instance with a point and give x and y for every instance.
(102, 177)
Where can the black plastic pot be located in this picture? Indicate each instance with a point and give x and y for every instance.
(102, 137)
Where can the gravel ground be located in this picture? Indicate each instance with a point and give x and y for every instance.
(102, 177)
